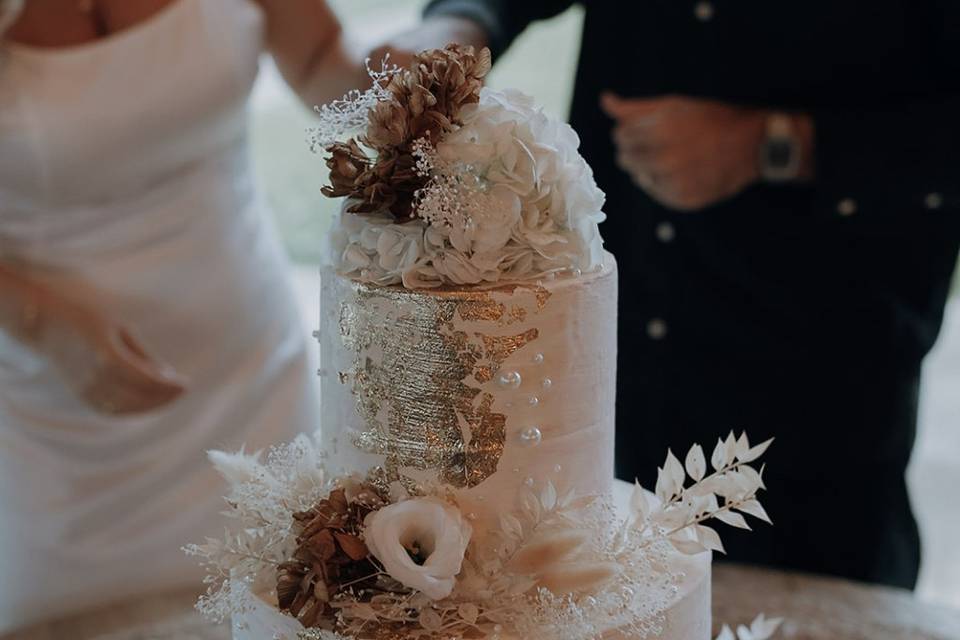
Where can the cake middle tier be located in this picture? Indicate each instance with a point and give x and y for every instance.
(482, 390)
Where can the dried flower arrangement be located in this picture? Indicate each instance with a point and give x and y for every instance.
(448, 182)
(349, 560)
(423, 103)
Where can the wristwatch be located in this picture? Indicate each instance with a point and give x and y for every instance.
(780, 150)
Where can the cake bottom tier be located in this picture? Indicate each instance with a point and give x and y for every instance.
(687, 616)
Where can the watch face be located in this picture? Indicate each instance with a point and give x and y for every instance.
(780, 159)
(778, 155)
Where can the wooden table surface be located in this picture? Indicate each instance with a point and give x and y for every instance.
(815, 608)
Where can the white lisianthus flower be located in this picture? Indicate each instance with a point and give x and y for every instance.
(420, 543)
(535, 210)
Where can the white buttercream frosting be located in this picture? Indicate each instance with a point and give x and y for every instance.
(535, 209)
(561, 383)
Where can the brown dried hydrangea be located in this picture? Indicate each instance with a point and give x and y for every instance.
(426, 100)
(330, 558)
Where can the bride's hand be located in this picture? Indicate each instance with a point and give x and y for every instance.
(98, 359)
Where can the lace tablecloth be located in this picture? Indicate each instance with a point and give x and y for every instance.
(815, 608)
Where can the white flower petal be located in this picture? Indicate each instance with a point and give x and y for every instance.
(436, 527)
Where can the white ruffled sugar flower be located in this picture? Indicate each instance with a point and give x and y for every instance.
(420, 543)
(534, 210)
(373, 248)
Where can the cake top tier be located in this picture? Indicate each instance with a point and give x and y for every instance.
(449, 183)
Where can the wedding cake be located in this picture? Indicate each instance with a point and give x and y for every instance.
(461, 484)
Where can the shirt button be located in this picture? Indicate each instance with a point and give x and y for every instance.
(657, 329)
(703, 10)
(933, 201)
(847, 207)
(665, 232)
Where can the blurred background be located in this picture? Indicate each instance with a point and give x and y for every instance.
(542, 63)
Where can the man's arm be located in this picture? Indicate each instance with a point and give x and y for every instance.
(501, 20)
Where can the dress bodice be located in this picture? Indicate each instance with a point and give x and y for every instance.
(92, 132)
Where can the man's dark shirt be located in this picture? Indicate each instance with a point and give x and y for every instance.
(797, 311)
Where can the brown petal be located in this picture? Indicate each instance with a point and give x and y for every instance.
(288, 584)
(321, 546)
(351, 545)
(338, 500)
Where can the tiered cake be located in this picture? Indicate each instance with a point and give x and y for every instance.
(462, 482)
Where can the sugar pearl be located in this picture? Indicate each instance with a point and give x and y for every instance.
(538, 358)
(533, 401)
(530, 436)
(528, 482)
(509, 379)
(557, 468)
(547, 383)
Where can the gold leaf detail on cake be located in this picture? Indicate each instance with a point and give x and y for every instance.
(475, 310)
(496, 350)
(415, 375)
(492, 311)
(542, 297)
(518, 314)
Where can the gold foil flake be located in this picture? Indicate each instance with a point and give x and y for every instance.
(483, 374)
(412, 369)
(475, 310)
(543, 296)
(497, 349)
(488, 310)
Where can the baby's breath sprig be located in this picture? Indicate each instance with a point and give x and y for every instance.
(341, 118)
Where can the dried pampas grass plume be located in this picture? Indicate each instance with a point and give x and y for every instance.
(578, 577)
(548, 549)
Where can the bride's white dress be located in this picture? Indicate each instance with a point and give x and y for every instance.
(124, 163)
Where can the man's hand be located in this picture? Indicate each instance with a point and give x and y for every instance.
(432, 33)
(687, 153)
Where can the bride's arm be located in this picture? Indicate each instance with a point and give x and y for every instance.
(97, 358)
(311, 50)
(19, 299)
